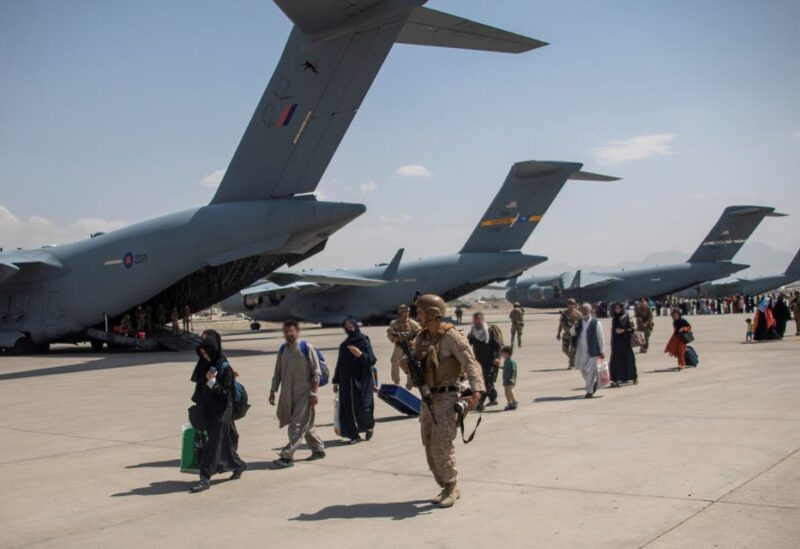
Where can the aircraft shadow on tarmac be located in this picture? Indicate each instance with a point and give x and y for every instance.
(127, 360)
(400, 510)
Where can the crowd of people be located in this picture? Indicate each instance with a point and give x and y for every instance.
(458, 368)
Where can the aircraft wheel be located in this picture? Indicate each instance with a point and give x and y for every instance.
(255, 326)
(42, 348)
(96, 345)
(23, 346)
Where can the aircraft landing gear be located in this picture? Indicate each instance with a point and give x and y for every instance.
(96, 344)
(26, 346)
(255, 326)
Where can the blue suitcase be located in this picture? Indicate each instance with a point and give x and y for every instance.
(400, 399)
(691, 358)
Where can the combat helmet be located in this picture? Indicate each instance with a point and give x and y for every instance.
(403, 308)
(432, 304)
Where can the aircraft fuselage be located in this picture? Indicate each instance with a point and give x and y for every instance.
(194, 257)
(451, 276)
(631, 285)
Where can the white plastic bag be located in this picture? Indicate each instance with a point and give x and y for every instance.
(337, 426)
(603, 373)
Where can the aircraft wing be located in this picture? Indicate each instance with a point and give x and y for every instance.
(332, 278)
(12, 263)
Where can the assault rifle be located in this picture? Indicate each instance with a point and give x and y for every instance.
(416, 371)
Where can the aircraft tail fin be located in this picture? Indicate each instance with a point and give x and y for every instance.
(731, 231)
(333, 55)
(391, 269)
(794, 266)
(519, 205)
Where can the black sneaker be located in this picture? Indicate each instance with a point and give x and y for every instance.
(369, 434)
(283, 463)
(589, 395)
(201, 486)
(316, 455)
(237, 473)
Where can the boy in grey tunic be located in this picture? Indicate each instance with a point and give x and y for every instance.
(297, 375)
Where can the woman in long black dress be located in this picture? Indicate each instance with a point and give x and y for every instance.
(214, 392)
(623, 362)
(354, 381)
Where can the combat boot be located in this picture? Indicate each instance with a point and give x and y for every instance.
(438, 498)
(450, 494)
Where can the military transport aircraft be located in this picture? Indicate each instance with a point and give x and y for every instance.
(262, 215)
(746, 286)
(372, 295)
(710, 261)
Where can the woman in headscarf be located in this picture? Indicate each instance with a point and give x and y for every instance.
(782, 315)
(623, 362)
(676, 346)
(764, 323)
(354, 381)
(213, 394)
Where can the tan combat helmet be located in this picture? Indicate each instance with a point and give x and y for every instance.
(571, 301)
(432, 304)
(516, 304)
(403, 308)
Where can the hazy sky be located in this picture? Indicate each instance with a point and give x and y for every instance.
(113, 112)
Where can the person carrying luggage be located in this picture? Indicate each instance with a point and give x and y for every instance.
(214, 393)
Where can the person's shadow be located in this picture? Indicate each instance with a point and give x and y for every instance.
(158, 488)
(400, 510)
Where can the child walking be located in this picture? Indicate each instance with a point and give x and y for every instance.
(509, 377)
(748, 338)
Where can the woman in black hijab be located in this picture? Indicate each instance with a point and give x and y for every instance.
(782, 315)
(354, 381)
(213, 394)
(622, 365)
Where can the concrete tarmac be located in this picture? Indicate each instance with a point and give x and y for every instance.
(707, 457)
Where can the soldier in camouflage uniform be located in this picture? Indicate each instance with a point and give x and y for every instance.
(566, 320)
(403, 328)
(447, 357)
(644, 321)
(517, 317)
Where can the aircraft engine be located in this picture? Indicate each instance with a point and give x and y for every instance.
(542, 293)
(270, 300)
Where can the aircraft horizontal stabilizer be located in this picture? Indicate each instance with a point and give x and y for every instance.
(589, 176)
(427, 27)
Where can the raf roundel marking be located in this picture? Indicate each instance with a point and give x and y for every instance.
(128, 260)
